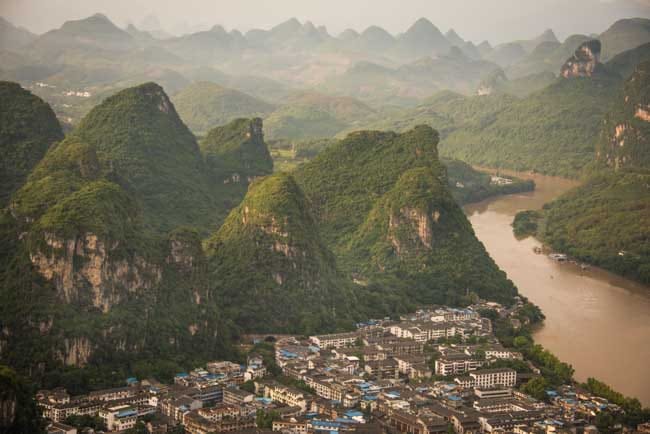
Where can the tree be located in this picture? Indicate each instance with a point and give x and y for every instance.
(536, 388)
(604, 422)
(521, 341)
(15, 392)
(265, 419)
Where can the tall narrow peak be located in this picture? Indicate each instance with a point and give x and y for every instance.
(295, 285)
(585, 62)
(28, 127)
(140, 139)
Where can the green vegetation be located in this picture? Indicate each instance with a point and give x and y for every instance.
(604, 222)
(142, 142)
(551, 131)
(626, 133)
(311, 115)
(264, 419)
(237, 148)
(520, 87)
(369, 220)
(526, 223)
(112, 177)
(269, 249)
(204, 105)
(86, 421)
(634, 413)
(20, 414)
(625, 63)
(468, 185)
(28, 127)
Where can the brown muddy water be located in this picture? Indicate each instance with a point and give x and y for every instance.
(596, 321)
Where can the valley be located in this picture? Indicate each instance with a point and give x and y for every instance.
(286, 229)
(594, 320)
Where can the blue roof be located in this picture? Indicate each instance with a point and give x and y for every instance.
(131, 380)
(353, 413)
(127, 413)
(182, 375)
(325, 424)
(346, 421)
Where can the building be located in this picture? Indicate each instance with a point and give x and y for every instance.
(326, 389)
(234, 396)
(286, 395)
(290, 426)
(459, 363)
(383, 369)
(488, 379)
(338, 340)
(119, 417)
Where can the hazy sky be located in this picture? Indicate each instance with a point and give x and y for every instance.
(496, 20)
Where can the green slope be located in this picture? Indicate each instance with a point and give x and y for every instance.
(551, 131)
(141, 140)
(272, 272)
(204, 105)
(606, 221)
(98, 269)
(308, 115)
(353, 209)
(28, 127)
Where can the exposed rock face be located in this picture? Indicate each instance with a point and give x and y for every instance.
(643, 113)
(7, 411)
(271, 249)
(625, 139)
(492, 83)
(585, 62)
(76, 352)
(419, 231)
(83, 270)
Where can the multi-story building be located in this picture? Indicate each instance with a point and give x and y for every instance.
(119, 417)
(487, 378)
(338, 340)
(235, 396)
(290, 427)
(453, 364)
(383, 368)
(286, 395)
(326, 389)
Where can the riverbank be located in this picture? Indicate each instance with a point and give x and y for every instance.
(596, 321)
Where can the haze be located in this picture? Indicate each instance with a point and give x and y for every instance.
(496, 20)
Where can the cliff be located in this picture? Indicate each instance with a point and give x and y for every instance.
(18, 412)
(236, 152)
(585, 62)
(625, 139)
(91, 275)
(394, 226)
(272, 270)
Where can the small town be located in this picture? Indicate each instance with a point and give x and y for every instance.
(438, 370)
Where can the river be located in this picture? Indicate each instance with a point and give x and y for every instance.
(596, 321)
